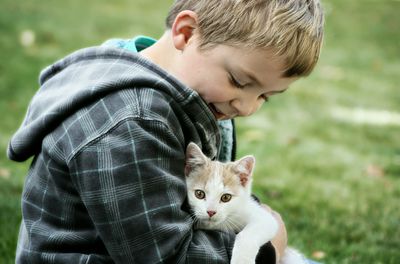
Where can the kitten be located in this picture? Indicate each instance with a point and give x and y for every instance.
(219, 195)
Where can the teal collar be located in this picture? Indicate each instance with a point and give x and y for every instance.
(135, 44)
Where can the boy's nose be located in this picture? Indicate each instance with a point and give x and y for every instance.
(246, 107)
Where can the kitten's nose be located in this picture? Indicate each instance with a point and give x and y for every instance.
(211, 213)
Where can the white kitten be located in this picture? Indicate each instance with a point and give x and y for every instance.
(220, 197)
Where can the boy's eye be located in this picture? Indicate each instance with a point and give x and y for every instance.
(199, 194)
(226, 197)
(235, 82)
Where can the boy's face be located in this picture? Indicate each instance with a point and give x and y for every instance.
(232, 81)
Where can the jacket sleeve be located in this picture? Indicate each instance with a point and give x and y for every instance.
(131, 180)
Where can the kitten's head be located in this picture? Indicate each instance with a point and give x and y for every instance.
(216, 190)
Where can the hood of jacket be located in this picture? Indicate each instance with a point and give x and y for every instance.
(82, 78)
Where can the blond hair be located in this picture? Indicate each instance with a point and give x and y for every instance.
(292, 29)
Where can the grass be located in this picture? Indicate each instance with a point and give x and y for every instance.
(336, 182)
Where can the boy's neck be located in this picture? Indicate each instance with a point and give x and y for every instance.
(162, 52)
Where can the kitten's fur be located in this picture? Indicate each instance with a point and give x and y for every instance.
(220, 197)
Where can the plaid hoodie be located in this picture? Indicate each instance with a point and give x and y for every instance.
(108, 131)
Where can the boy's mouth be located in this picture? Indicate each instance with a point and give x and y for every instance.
(218, 114)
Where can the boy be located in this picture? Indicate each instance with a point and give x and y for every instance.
(109, 126)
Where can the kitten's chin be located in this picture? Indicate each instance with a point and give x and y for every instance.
(210, 223)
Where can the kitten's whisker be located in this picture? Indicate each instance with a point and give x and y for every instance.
(232, 224)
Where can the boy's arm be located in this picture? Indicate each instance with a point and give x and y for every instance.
(132, 183)
(279, 242)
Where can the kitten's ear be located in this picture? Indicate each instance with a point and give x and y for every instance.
(194, 158)
(245, 167)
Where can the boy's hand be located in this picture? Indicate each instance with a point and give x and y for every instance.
(280, 240)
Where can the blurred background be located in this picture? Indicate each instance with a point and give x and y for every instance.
(328, 150)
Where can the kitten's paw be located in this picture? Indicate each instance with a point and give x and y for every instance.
(242, 260)
(244, 251)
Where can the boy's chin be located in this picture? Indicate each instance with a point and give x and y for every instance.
(223, 118)
(217, 114)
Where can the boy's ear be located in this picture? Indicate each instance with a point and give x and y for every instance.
(183, 28)
(194, 158)
(244, 168)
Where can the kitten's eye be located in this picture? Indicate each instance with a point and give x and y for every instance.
(199, 194)
(226, 197)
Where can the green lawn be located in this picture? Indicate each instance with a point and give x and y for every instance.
(328, 150)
